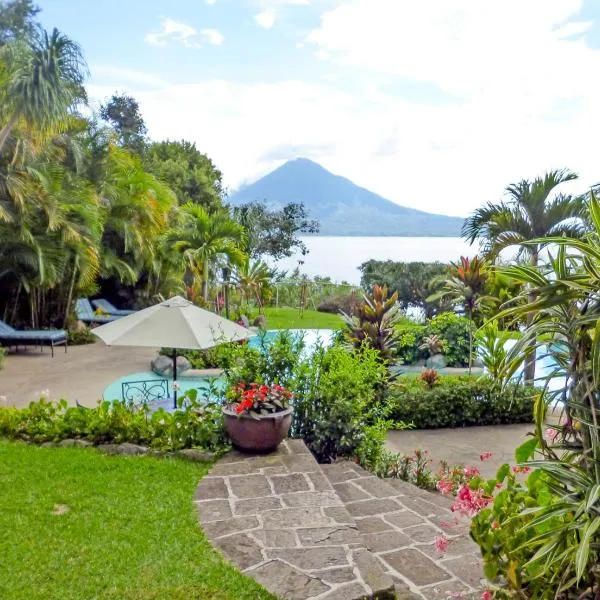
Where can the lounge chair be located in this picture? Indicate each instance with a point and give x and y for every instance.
(85, 313)
(32, 337)
(109, 308)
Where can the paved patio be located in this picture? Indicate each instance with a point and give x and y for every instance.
(333, 532)
(81, 374)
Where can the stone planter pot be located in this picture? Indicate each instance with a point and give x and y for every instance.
(257, 435)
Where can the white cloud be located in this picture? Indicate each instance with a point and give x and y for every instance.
(211, 2)
(322, 54)
(503, 92)
(212, 36)
(266, 18)
(186, 35)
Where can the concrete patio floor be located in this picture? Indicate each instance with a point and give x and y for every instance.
(464, 445)
(81, 374)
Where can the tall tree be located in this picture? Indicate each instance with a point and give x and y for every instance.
(203, 238)
(17, 19)
(529, 213)
(190, 174)
(41, 82)
(274, 232)
(122, 112)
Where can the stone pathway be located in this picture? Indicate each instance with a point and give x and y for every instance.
(332, 532)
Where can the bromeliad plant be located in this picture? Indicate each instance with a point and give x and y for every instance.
(257, 400)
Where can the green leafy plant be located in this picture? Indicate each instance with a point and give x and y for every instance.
(491, 343)
(198, 424)
(375, 323)
(459, 401)
(81, 337)
(2, 355)
(456, 332)
(433, 344)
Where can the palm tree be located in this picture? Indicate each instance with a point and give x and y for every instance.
(41, 80)
(203, 237)
(528, 214)
(466, 286)
(252, 279)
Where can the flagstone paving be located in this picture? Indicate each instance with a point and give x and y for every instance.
(334, 532)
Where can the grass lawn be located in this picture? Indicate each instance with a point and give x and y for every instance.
(289, 318)
(76, 524)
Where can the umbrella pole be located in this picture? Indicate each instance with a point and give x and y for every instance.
(174, 377)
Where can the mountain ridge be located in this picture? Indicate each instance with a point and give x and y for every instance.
(341, 206)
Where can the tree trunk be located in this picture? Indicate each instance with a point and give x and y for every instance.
(529, 368)
(70, 294)
(16, 304)
(205, 281)
(6, 131)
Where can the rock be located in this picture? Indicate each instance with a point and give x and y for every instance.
(49, 445)
(82, 444)
(183, 365)
(260, 322)
(131, 449)
(437, 361)
(197, 455)
(109, 448)
(163, 365)
(68, 443)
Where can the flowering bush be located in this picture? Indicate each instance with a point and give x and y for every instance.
(256, 400)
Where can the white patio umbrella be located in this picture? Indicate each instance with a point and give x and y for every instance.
(174, 323)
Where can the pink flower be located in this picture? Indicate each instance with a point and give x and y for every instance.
(444, 486)
(487, 595)
(521, 469)
(469, 502)
(471, 472)
(551, 434)
(485, 456)
(495, 525)
(441, 543)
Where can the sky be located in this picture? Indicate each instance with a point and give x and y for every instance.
(434, 104)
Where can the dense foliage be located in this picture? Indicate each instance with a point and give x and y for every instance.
(459, 401)
(197, 425)
(414, 282)
(450, 329)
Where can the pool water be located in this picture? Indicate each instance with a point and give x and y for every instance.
(137, 383)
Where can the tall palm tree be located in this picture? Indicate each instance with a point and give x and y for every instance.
(527, 214)
(203, 237)
(41, 80)
(252, 279)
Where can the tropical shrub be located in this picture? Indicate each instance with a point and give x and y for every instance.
(334, 401)
(2, 354)
(375, 323)
(430, 377)
(81, 337)
(454, 330)
(408, 346)
(197, 425)
(459, 401)
(491, 345)
(346, 303)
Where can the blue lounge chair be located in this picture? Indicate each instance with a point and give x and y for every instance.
(32, 337)
(109, 308)
(85, 313)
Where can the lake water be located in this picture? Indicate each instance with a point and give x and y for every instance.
(339, 257)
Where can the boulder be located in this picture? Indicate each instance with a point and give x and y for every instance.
(197, 455)
(131, 449)
(163, 365)
(183, 365)
(437, 361)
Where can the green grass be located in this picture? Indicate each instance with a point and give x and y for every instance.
(289, 318)
(130, 531)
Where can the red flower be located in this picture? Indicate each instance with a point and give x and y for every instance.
(441, 543)
(245, 404)
(485, 456)
(444, 486)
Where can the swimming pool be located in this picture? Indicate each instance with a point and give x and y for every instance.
(137, 384)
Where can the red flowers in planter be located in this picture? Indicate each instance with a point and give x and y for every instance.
(259, 399)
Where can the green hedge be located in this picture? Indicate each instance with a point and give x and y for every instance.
(458, 401)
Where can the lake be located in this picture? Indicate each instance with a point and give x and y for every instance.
(339, 257)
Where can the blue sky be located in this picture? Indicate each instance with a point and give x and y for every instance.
(433, 104)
